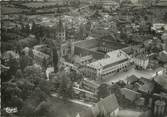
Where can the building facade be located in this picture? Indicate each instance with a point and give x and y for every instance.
(141, 61)
(115, 61)
(90, 85)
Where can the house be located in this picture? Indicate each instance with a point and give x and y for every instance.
(162, 81)
(69, 65)
(83, 60)
(90, 85)
(84, 94)
(39, 57)
(10, 55)
(130, 94)
(109, 106)
(132, 79)
(145, 85)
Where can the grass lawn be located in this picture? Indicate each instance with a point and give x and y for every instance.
(64, 109)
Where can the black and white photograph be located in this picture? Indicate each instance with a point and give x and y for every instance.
(83, 58)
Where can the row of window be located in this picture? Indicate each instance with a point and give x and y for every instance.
(116, 70)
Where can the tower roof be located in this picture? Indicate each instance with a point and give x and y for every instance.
(59, 26)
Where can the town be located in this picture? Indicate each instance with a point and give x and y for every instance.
(83, 58)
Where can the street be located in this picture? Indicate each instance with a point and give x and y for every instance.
(123, 76)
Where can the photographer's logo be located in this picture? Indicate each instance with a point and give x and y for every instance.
(11, 110)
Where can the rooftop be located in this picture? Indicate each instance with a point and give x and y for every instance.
(108, 104)
(92, 83)
(162, 80)
(114, 57)
(147, 86)
(130, 94)
(132, 79)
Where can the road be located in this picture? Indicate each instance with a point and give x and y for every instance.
(75, 101)
(149, 74)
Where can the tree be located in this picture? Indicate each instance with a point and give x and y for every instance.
(34, 74)
(103, 91)
(13, 66)
(30, 53)
(25, 60)
(11, 95)
(26, 91)
(55, 59)
(45, 86)
(33, 102)
(44, 63)
(66, 86)
(42, 109)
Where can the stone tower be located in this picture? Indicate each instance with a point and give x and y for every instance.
(61, 33)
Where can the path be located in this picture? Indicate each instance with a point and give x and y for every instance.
(75, 101)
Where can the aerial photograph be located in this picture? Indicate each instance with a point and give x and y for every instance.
(83, 58)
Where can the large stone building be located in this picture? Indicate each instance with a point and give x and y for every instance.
(113, 62)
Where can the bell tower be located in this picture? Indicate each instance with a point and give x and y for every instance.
(61, 33)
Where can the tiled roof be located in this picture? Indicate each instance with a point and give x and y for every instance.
(130, 94)
(108, 104)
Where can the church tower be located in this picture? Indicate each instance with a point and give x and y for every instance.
(61, 33)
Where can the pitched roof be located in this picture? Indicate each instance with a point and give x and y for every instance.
(147, 86)
(162, 80)
(132, 79)
(108, 104)
(130, 94)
